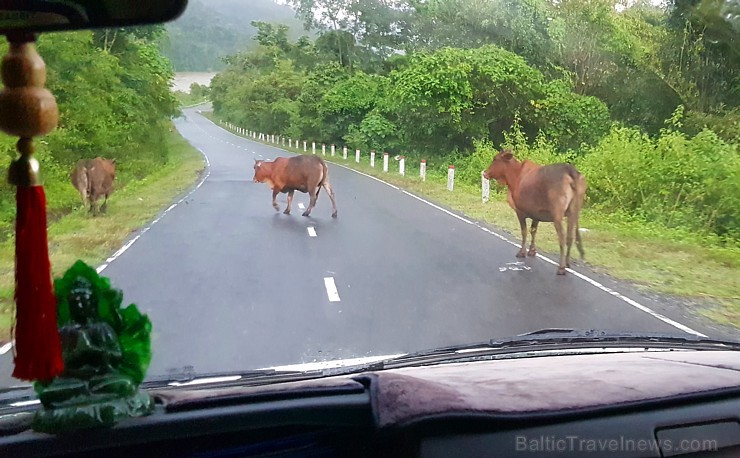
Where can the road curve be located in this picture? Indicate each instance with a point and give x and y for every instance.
(231, 285)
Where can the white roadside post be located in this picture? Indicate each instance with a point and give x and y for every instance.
(323, 149)
(372, 158)
(385, 162)
(451, 178)
(402, 165)
(357, 155)
(332, 150)
(313, 147)
(423, 170)
(344, 152)
(283, 141)
(485, 187)
(305, 148)
(290, 143)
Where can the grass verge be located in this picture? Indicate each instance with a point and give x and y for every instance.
(653, 257)
(80, 236)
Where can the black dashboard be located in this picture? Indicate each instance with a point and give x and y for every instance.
(343, 423)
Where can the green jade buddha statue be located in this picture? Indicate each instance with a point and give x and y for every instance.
(106, 352)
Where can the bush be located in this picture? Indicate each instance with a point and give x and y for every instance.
(677, 180)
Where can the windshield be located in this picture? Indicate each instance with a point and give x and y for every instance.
(427, 131)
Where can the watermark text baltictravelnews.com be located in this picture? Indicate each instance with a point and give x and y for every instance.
(617, 445)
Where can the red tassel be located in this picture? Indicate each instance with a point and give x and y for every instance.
(38, 352)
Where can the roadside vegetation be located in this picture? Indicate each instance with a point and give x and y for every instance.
(198, 94)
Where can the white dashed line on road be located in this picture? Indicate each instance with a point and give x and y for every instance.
(331, 289)
(311, 232)
(301, 206)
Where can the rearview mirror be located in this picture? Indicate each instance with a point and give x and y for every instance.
(30, 16)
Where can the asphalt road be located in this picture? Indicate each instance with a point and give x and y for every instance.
(230, 284)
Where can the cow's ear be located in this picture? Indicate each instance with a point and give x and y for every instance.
(113, 161)
(507, 155)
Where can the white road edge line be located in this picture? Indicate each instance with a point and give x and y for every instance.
(583, 277)
(586, 278)
(301, 206)
(6, 348)
(311, 231)
(331, 289)
(128, 244)
(366, 175)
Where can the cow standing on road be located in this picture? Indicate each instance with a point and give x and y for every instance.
(300, 173)
(93, 178)
(542, 193)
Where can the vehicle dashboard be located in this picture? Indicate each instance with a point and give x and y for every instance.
(344, 416)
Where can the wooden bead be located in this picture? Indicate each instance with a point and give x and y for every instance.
(22, 66)
(27, 109)
(28, 112)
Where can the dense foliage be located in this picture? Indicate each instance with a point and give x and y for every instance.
(590, 81)
(113, 92)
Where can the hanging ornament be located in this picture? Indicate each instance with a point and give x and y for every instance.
(28, 110)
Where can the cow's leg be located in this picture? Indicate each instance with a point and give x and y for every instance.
(274, 200)
(83, 197)
(573, 233)
(533, 231)
(523, 223)
(330, 191)
(104, 207)
(313, 193)
(290, 200)
(558, 222)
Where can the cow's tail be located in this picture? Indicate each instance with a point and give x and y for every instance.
(324, 183)
(578, 184)
(324, 176)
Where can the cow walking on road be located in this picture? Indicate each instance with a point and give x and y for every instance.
(300, 173)
(542, 193)
(93, 178)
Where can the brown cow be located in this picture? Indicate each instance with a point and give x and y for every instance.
(300, 173)
(542, 193)
(94, 178)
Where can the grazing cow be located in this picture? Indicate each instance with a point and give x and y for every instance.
(94, 178)
(300, 173)
(542, 193)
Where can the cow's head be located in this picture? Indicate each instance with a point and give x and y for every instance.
(261, 173)
(501, 162)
